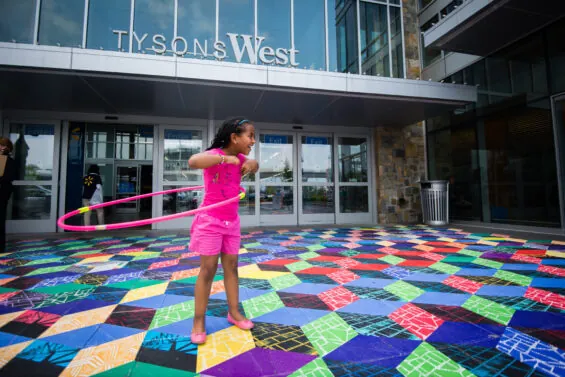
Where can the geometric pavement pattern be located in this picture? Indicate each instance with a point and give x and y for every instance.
(384, 301)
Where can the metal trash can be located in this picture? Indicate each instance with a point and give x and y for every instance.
(435, 202)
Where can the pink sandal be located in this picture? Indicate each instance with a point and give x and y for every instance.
(244, 325)
(198, 337)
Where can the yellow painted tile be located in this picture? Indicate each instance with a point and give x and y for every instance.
(79, 320)
(489, 243)
(558, 254)
(457, 245)
(222, 346)
(445, 239)
(145, 292)
(558, 242)
(5, 318)
(248, 269)
(217, 287)
(7, 280)
(93, 360)
(267, 275)
(103, 258)
(8, 353)
(133, 253)
(418, 242)
(516, 240)
(385, 243)
(424, 247)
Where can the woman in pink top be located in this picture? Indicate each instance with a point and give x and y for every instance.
(217, 231)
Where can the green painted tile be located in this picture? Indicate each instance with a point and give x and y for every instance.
(257, 306)
(458, 259)
(349, 253)
(488, 263)
(471, 253)
(328, 333)
(404, 290)
(171, 314)
(392, 259)
(426, 361)
(121, 371)
(284, 281)
(298, 266)
(250, 245)
(147, 255)
(514, 277)
(134, 284)
(489, 309)
(63, 288)
(7, 290)
(444, 267)
(315, 368)
(47, 270)
(315, 247)
(43, 261)
(308, 255)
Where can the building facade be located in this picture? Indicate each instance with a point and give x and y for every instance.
(138, 86)
(505, 154)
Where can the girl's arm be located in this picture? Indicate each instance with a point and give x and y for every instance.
(205, 160)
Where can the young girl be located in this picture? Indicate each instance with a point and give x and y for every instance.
(217, 231)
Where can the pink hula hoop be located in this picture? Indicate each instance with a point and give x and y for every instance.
(131, 224)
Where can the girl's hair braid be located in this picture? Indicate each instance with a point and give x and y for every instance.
(230, 126)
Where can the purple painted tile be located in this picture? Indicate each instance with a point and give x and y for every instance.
(381, 351)
(260, 362)
(493, 254)
(541, 320)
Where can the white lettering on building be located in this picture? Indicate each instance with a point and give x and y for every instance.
(242, 46)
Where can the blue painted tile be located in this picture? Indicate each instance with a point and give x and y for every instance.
(75, 338)
(184, 327)
(372, 307)
(370, 283)
(309, 288)
(548, 282)
(476, 272)
(107, 333)
(7, 339)
(479, 335)
(427, 277)
(542, 320)
(519, 267)
(292, 316)
(442, 298)
(497, 290)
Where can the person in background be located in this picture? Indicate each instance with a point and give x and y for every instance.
(6, 188)
(92, 193)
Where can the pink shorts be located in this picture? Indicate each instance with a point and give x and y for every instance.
(210, 235)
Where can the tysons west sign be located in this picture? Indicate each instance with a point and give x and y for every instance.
(241, 45)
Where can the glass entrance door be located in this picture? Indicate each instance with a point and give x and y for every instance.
(316, 197)
(354, 199)
(33, 205)
(559, 132)
(277, 177)
(127, 185)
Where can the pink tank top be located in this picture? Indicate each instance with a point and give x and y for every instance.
(222, 182)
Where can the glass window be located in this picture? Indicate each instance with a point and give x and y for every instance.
(237, 17)
(352, 159)
(347, 47)
(498, 75)
(33, 151)
(276, 164)
(556, 52)
(17, 21)
(108, 24)
(247, 205)
(396, 42)
(273, 23)
(197, 25)
(30, 202)
(317, 159)
(332, 23)
(354, 199)
(374, 39)
(318, 199)
(309, 33)
(153, 26)
(181, 201)
(277, 200)
(61, 22)
(133, 143)
(180, 145)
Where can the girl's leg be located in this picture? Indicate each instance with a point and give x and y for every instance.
(86, 203)
(208, 267)
(100, 215)
(231, 283)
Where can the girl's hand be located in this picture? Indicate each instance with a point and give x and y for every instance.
(249, 166)
(232, 160)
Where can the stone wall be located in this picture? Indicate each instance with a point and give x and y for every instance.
(400, 166)
(401, 150)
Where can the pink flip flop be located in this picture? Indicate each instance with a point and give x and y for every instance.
(244, 325)
(198, 337)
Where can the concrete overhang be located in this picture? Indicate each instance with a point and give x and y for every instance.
(76, 80)
(481, 27)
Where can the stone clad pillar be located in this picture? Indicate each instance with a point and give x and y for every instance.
(400, 151)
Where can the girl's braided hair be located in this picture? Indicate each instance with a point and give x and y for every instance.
(230, 126)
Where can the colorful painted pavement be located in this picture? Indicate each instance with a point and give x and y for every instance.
(398, 301)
